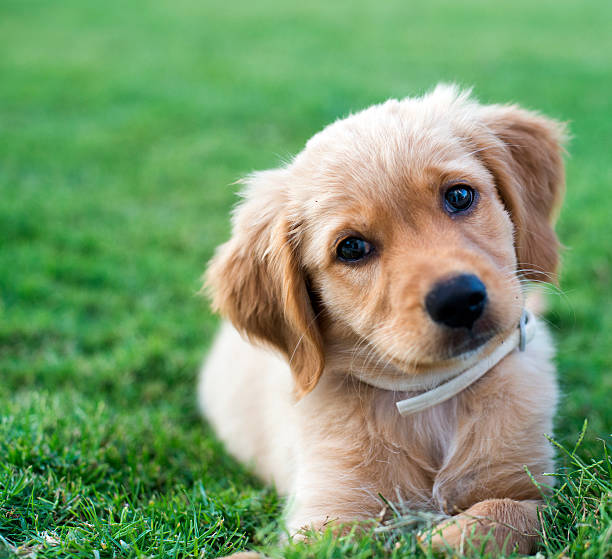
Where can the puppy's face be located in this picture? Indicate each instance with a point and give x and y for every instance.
(398, 239)
(410, 252)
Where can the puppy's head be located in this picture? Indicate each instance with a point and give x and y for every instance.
(398, 239)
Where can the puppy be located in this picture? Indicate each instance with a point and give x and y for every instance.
(386, 262)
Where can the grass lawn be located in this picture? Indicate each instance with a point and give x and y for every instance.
(122, 125)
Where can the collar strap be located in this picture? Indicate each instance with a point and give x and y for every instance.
(519, 338)
(462, 376)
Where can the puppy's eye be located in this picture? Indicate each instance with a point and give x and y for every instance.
(459, 198)
(352, 249)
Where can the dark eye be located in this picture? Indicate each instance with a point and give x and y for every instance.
(459, 198)
(352, 249)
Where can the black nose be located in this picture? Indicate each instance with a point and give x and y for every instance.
(458, 301)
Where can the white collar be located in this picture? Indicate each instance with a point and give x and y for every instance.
(470, 368)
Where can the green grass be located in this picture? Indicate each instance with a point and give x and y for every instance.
(121, 126)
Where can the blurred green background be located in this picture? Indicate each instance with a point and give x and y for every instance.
(122, 127)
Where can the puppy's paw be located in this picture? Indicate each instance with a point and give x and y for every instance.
(301, 529)
(493, 526)
(452, 535)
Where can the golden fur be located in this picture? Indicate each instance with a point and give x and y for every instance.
(329, 441)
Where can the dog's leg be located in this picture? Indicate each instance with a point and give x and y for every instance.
(329, 496)
(483, 480)
(498, 525)
(341, 516)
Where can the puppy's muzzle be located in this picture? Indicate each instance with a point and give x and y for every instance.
(457, 302)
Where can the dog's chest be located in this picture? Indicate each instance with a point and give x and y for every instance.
(413, 449)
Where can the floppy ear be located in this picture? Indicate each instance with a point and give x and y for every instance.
(255, 280)
(527, 164)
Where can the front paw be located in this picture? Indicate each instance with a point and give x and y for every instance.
(492, 526)
(303, 531)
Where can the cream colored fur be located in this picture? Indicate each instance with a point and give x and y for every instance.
(294, 411)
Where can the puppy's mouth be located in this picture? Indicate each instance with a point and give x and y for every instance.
(455, 348)
(448, 350)
(457, 344)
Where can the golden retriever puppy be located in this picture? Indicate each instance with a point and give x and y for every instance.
(377, 339)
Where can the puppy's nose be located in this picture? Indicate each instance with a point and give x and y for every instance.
(457, 302)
